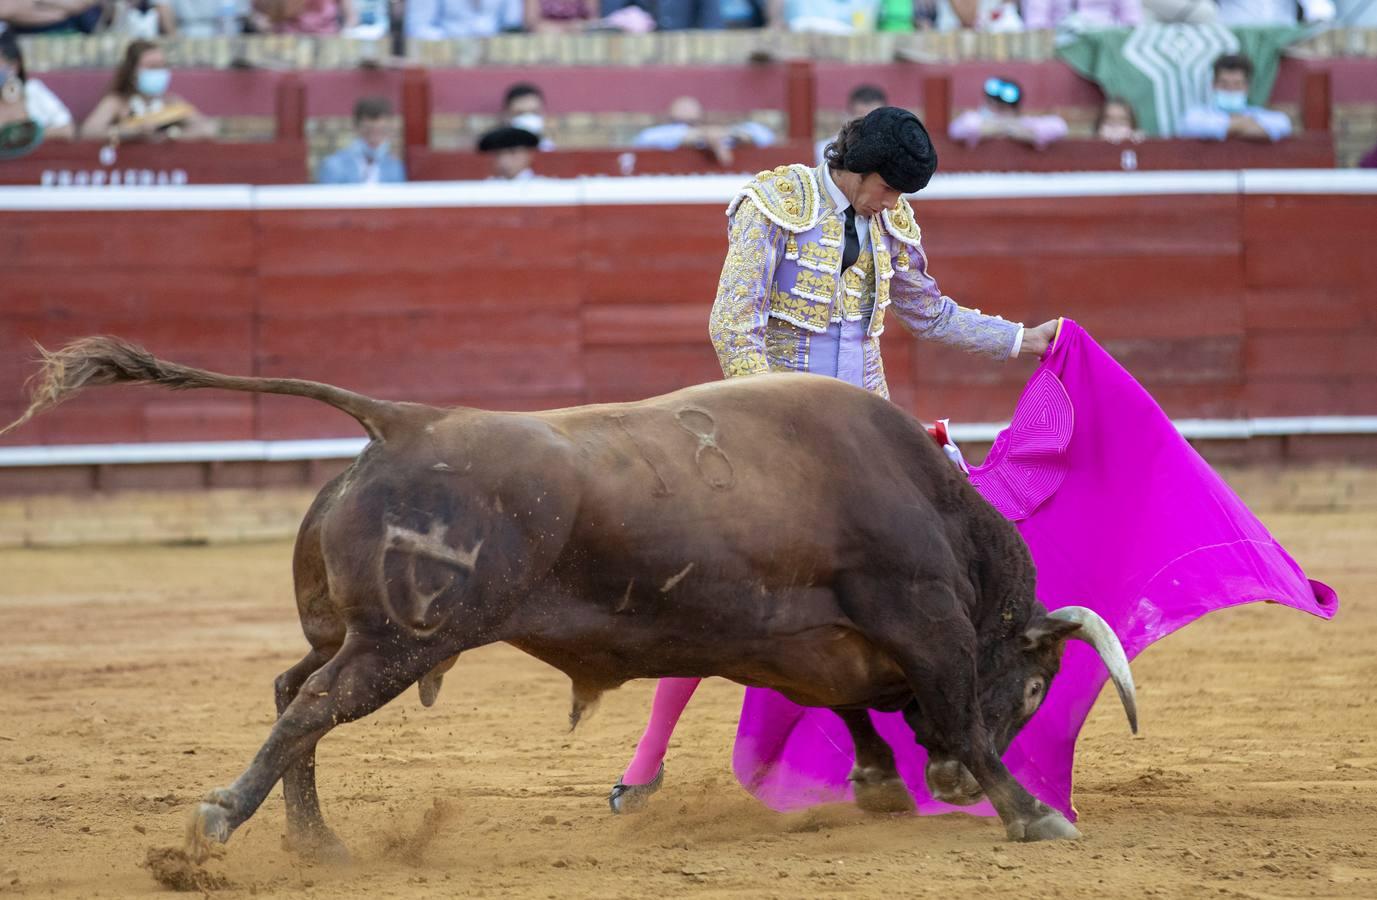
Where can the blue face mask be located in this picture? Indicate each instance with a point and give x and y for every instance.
(1231, 101)
(154, 82)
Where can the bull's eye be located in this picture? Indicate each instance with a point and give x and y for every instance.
(1032, 695)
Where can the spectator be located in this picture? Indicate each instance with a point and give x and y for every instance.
(138, 107)
(368, 159)
(1116, 123)
(51, 16)
(978, 15)
(673, 15)
(686, 128)
(863, 99)
(438, 20)
(208, 18)
(825, 16)
(512, 150)
(524, 107)
(1039, 14)
(559, 16)
(144, 19)
(1228, 115)
(303, 16)
(25, 99)
(1000, 118)
(1274, 12)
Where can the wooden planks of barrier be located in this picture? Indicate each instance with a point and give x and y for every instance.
(1224, 305)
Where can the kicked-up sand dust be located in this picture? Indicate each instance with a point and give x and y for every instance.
(133, 680)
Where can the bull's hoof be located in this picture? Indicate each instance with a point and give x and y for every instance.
(1052, 826)
(881, 795)
(209, 826)
(630, 798)
(317, 844)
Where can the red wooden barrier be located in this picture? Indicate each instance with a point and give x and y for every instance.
(1310, 151)
(1202, 297)
(424, 164)
(58, 164)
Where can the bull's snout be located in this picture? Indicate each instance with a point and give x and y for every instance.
(951, 782)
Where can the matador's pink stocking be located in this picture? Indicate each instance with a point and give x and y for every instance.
(671, 696)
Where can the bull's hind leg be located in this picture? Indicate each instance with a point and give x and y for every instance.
(307, 832)
(360, 678)
(874, 778)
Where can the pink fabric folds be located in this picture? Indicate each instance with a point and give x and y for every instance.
(1121, 515)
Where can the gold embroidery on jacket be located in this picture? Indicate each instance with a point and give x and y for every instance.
(805, 312)
(738, 313)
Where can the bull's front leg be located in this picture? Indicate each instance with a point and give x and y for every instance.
(927, 631)
(964, 764)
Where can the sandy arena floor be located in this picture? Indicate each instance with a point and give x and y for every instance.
(132, 680)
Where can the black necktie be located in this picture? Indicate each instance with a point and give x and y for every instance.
(852, 249)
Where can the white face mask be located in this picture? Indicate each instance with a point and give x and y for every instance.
(532, 122)
(1231, 101)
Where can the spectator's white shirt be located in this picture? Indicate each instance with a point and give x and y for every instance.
(207, 18)
(43, 106)
(671, 135)
(1273, 12)
(1210, 123)
(438, 20)
(1357, 13)
(131, 22)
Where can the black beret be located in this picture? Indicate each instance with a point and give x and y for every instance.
(892, 143)
(505, 138)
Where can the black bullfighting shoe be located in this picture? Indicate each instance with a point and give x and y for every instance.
(630, 798)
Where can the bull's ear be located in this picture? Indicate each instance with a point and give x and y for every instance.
(1046, 631)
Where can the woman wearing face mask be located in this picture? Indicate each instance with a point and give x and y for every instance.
(24, 99)
(139, 106)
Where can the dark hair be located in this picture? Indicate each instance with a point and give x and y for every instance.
(1115, 101)
(890, 142)
(124, 82)
(1234, 62)
(845, 140)
(371, 108)
(519, 90)
(867, 93)
(10, 50)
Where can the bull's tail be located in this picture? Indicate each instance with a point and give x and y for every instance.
(109, 360)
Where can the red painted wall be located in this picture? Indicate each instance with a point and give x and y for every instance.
(1225, 306)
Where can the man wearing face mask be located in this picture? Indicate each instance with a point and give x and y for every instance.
(816, 258)
(139, 105)
(1229, 114)
(524, 108)
(368, 159)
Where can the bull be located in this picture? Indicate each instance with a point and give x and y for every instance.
(784, 531)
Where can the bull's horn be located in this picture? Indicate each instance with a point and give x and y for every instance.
(1096, 632)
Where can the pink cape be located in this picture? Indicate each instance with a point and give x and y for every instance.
(1121, 515)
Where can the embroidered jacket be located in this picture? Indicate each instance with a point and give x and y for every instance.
(782, 282)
